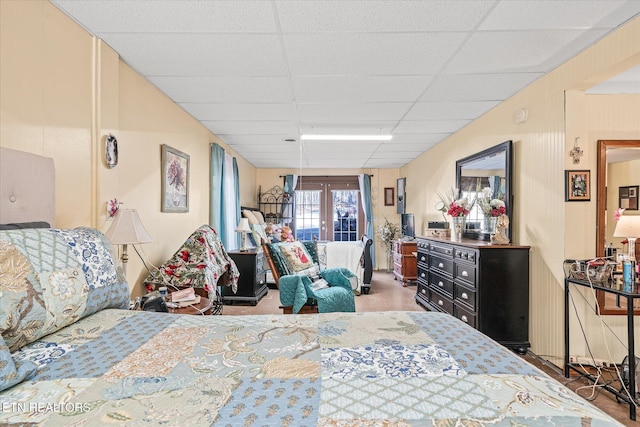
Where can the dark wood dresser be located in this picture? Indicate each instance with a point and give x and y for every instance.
(404, 261)
(252, 283)
(484, 285)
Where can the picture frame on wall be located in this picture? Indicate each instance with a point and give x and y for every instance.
(175, 180)
(389, 196)
(628, 197)
(577, 185)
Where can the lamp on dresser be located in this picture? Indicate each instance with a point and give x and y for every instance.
(243, 227)
(629, 226)
(127, 229)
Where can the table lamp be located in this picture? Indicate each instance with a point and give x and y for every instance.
(629, 226)
(243, 227)
(127, 229)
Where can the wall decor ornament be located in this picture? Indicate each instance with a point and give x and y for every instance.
(111, 151)
(577, 185)
(175, 180)
(389, 196)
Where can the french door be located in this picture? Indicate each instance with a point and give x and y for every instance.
(328, 208)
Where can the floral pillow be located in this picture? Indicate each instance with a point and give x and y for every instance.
(296, 255)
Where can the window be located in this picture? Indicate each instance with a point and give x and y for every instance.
(328, 208)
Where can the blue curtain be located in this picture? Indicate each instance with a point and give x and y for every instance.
(236, 186)
(216, 199)
(290, 182)
(365, 193)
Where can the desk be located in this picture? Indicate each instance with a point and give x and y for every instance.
(629, 296)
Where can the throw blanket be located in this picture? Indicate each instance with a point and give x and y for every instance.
(296, 290)
(347, 255)
(199, 263)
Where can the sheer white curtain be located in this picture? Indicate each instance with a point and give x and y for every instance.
(230, 213)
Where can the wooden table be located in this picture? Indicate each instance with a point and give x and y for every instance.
(203, 306)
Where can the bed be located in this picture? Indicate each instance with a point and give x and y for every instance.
(71, 354)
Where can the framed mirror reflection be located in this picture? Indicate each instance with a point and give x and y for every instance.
(618, 166)
(486, 178)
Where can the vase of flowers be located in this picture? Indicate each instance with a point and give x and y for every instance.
(387, 233)
(457, 208)
(492, 208)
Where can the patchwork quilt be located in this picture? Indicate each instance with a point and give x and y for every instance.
(118, 367)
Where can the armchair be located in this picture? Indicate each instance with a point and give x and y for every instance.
(294, 265)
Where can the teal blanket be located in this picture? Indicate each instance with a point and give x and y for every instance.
(297, 289)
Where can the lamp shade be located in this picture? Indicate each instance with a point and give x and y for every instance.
(628, 226)
(127, 229)
(243, 225)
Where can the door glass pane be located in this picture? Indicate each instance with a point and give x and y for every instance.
(345, 215)
(307, 214)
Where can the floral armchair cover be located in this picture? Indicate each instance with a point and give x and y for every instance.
(199, 263)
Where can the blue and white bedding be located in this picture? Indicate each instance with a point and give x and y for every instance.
(71, 356)
(351, 369)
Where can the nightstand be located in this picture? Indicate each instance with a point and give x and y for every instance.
(202, 307)
(252, 283)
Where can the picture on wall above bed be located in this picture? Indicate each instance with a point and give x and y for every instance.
(175, 180)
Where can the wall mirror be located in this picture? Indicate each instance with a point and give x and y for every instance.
(618, 166)
(490, 168)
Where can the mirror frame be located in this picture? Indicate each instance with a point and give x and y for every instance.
(505, 147)
(603, 145)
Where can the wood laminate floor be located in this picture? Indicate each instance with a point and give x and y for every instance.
(388, 294)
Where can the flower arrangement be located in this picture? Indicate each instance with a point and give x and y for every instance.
(176, 175)
(452, 204)
(491, 207)
(388, 232)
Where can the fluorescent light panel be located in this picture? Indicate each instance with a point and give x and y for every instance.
(346, 137)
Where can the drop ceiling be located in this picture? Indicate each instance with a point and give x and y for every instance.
(258, 72)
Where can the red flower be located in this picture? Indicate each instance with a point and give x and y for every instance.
(184, 255)
(498, 211)
(457, 210)
(168, 271)
(149, 287)
(201, 266)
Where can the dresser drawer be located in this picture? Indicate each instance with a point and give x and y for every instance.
(423, 289)
(444, 265)
(465, 254)
(465, 315)
(441, 284)
(466, 272)
(442, 249)
(423, 274)
(423, 258)
(466, 296)
(442, 302)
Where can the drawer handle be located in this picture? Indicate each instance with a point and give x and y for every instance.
(423, 259)
(464, 273)
(447, 251)
(441, 265)
(423, 275)
(440, 302)
(441, 284)
(423, 291)
(464, 296)
(464, 319)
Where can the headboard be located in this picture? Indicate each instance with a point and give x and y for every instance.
(27, 187)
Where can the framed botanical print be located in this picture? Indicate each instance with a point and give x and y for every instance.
(175, 180)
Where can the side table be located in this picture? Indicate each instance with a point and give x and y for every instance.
(252, 283)
(630, 297)
(203, 306)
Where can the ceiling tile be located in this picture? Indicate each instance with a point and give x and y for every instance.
(430, 126)
(350, 127)
(232, 90)
(250, 127)
(355, 112)
(369, 53)
(371, 16)
(449, 110)
(359, 88)
(477, 87)
(161, 16)
(200, 54)
(276, 112)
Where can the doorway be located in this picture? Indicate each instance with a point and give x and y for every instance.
(328, 208)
